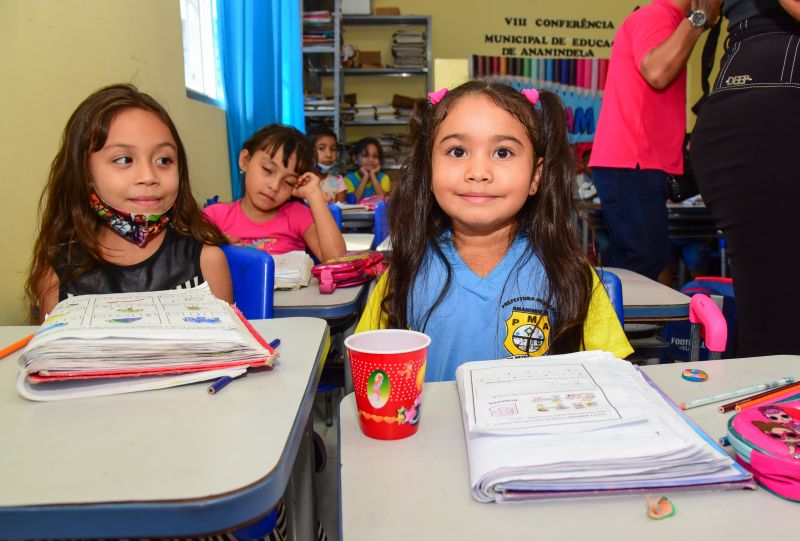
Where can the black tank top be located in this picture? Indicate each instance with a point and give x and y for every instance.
(175, 265)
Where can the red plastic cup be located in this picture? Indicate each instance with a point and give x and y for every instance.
(388, 368)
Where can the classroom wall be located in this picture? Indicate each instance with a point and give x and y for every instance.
(54, 54)
(459, 30)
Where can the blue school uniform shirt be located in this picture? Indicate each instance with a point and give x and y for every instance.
(480, 318)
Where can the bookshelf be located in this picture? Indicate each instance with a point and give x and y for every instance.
(324, 70)
(316, 55)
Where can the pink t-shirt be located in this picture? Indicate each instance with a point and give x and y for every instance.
(639, 124)
(281, 234)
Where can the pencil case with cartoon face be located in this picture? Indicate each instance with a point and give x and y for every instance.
(766, 439)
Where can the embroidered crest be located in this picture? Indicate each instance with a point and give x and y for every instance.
(528, 333)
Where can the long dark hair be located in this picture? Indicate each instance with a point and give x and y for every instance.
(67, 221)
(545, 219)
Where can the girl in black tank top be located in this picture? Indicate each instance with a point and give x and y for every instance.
(117, 213)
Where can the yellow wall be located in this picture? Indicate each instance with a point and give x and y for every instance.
(54, 54)
(459, 29)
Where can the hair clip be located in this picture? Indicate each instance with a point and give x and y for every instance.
(531, 94)
(437, 96)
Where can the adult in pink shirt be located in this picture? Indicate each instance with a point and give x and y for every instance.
(641, 128)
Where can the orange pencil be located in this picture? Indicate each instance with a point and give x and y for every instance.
(772, 392)
(779, 394)
(19, 344)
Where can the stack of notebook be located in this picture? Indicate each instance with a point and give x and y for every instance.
(292, 269)
(580, 424)
(92, 345)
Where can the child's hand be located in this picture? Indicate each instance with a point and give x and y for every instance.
(308, 186)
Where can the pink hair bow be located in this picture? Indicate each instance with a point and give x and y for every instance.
(437, 96)
(531, 94)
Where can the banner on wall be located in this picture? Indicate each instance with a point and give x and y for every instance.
(578, 82)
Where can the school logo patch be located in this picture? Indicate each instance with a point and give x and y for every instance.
(527, 333)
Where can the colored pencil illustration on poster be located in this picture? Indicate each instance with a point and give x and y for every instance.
(378, 389)
(578, 82)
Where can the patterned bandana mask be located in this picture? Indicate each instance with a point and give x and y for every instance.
(135, 228)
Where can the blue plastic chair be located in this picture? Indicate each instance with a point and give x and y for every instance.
(253, 276)
(336, 210)
(613, 287)
(381, 222)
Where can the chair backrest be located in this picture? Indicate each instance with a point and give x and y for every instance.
(336, 210)
(381, 222)
(253, 275)
(613, 287)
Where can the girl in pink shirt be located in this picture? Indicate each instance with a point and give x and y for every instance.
(276, 164)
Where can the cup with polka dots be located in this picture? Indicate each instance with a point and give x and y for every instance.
(388, 368)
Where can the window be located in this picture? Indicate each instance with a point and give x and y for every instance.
(201, 51)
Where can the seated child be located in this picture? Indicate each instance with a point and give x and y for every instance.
(324, 142)
(117, 213)
(368, 180)
(489, 264)
(277, 163)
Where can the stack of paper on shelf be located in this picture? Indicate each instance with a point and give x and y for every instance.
(384, 111)
(292, 270)
(92, 345)
(364, 111)
(408, 49)
(318, 28)
(580, 424)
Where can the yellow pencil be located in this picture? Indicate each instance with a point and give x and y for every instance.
(19, 344)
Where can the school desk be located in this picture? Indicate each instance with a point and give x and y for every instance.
(355, 242)
(418, 488)
(357, 219)
(169, 463)
(645, 300)
(692, 222)
(309, 302)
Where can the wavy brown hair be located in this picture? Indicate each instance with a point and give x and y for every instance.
(417, 221)
(67, 221)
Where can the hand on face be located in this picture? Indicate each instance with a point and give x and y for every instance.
(308, 184)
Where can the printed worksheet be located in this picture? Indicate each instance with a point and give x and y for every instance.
(549, 396)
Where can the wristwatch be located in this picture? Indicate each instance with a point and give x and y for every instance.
(697, 18)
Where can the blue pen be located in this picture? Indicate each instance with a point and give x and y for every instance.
(218, 385)
(275, 343)
(724, 441)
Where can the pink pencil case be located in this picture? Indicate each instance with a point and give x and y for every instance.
(766, 439)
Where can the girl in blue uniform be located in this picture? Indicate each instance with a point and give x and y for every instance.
(486, 259)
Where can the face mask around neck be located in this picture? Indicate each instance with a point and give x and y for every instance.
(136, 228)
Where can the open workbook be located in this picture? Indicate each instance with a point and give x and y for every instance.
(577, 425)
(92, 345)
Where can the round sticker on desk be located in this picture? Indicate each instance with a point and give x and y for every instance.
(691, 374)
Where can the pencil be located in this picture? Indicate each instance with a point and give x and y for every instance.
(16, 346)
(732, 405)
(776, 395)
(735, 393)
